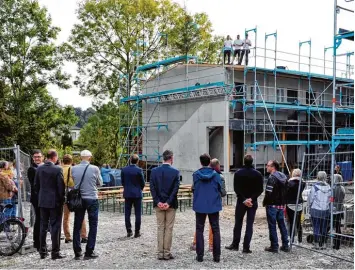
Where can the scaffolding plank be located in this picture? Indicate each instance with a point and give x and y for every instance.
(168, 61)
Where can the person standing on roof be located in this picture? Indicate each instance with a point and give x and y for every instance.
(274, 202)
(238, 45)
(227, 49)
(246, 50)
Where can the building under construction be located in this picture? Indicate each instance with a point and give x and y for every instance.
(265, 109)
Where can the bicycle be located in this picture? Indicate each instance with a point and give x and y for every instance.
(12, 233)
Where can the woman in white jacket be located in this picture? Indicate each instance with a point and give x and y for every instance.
(319, 203)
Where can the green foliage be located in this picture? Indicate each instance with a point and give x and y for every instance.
(192, 35)
(101, 135)
(83, 116)
(113, 37)
(29, 61)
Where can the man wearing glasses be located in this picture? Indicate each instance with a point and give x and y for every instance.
(31, 172)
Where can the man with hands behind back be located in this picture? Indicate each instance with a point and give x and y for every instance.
(164, 186)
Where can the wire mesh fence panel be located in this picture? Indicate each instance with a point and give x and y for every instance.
(26, 206)
(324, 221)
(15, 164)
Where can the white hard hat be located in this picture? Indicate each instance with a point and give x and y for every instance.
(85, 153)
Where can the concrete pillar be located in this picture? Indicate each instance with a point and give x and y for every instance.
(226, 139)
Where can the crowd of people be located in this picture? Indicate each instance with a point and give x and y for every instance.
(50, 184)
(236, 49)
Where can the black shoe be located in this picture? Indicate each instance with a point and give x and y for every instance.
(68, 241)
(137, 234)
(199, 258)
(285, 249)
(78, 256)
(57, 256)
(129, 234)
(44, 255)
(270, 249)
(93, 255)
(232, 247)
(170, 257)
(247, 251)
(84, 240)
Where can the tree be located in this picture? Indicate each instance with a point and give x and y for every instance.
(102, 133)
(29, 61)
(83, 116)
(113, 37)
(192, 35)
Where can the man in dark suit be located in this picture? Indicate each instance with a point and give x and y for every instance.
(49, 185)
(31, 172)
(133, 184)
(248, 186)
(164, 186)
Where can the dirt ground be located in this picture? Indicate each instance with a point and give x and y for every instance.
(116, 251)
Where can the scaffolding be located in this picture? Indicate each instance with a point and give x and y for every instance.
(257, 100)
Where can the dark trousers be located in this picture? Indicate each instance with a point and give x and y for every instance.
(36, 226)
(237, 54)
(200, 226)
(92, 207)
(291, 216)
(137, 203)
(274, 216)
(240, 211)
(52, 216)
(320, 228)
(337, 226)
(246, 52)
(228, 54)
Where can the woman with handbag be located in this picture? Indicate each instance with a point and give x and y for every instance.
(69, 185)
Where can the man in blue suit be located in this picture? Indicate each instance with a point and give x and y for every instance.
(164, 186)
(207, 202)
(133, 184)
(49, 185)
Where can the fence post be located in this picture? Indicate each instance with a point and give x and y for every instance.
(18, 172)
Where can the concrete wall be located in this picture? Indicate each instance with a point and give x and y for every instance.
(187, 134)
(176, 77)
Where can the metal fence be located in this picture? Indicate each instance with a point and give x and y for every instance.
(324, 221)
(19, 162)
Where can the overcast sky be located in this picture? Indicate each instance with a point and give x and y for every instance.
(294, 20)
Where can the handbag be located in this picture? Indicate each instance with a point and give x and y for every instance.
(74, 201)
(67, 189)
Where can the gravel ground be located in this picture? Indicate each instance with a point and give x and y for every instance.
(116, 251)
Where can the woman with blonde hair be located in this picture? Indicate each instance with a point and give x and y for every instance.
(294, 200)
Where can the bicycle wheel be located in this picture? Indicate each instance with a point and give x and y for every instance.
(12, 236)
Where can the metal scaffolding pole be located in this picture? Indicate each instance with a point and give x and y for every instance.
(333, 120)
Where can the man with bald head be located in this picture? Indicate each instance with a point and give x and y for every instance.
(133, 184)
(49, 185)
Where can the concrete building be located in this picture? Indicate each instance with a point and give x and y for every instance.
(228, 111)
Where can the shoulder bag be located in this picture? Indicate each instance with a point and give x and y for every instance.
(74, 201)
